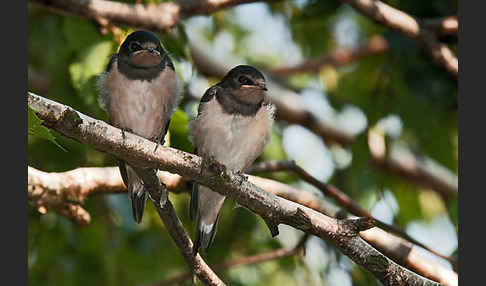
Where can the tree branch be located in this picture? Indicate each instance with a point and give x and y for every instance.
(410, 27)
(72, 120)
(374, 45)
(443, 26)
(404, 163)
(339, 196)
(64, 192)
(139, 152)
(80, 183)
(162, 17)
(400, 162)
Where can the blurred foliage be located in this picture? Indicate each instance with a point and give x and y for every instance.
(112, 250)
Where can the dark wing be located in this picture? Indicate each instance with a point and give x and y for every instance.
(101, 84)
(194, 203)
(208, 95)
(123, 171)
(110, 63)
(161, 138)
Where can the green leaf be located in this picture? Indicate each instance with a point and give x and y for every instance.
(80, 34)
(91, 62)
(90, 55)
(36, 129)
(178, 131)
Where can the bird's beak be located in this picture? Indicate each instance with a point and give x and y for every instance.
(153, 51)
(146, 58)
(262, 86)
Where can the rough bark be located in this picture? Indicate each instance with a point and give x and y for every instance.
(344, 233)
(81, 183)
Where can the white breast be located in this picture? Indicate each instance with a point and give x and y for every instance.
(234, 140)
(142, 106)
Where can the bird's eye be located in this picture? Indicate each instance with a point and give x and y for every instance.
(245, 80)
(134, 46)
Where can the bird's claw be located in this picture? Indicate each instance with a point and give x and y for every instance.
(123, 130)
(158, 141)
(215, 166)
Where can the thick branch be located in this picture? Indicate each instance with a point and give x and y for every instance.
(139, 152)
(71, 120)
(80, 183)
(409, 26)
(161, 17)
(64, 192)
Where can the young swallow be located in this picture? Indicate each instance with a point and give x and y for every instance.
(139, 91)
(233, 125)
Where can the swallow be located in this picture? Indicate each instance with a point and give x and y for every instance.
(139, 91)
(233, 126)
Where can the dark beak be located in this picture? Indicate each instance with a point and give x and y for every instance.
(152, 51)
(263, 86)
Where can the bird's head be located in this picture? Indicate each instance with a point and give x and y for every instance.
(142, 49)
(246, 83)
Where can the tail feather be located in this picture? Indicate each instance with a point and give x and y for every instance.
(204, 236)
(138, 204)
(136, 192)
(206, 206)
(193, 207)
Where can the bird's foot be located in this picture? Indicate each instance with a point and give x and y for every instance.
(272, 226)
(123, 130)
(158, 141)
(242, 174)
(210, 163)
(215, 166)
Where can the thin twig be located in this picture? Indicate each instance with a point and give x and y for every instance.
(418, 169)
(342, 198)
(247, 260)
(165, 209)
(105, 26)
(443, 26)
(374, 45)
